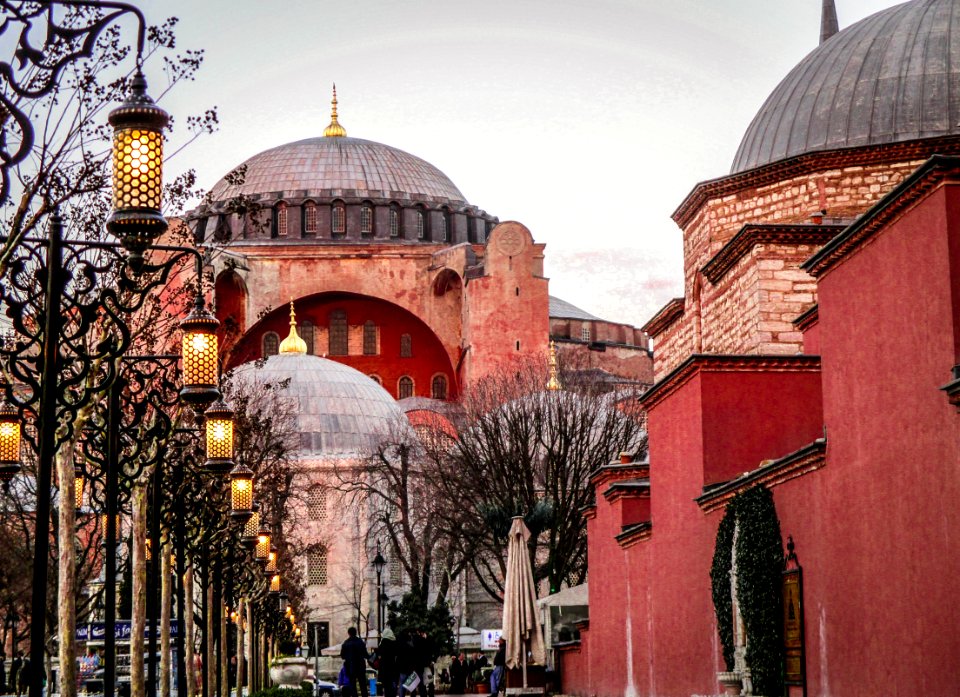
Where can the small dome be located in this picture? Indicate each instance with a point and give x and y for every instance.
(339, 166)
(341, 413)
(892, 77)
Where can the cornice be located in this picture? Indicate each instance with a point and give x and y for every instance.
(664, 318)
(810, 163)
(698, 363)
(589, 512)
(627, 490)
(932, 174)
(619, 471)
(751, 235)
(632, 534)
(807, 459)
(807, 318)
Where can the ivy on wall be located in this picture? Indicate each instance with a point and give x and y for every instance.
(720, 581)
(759, 556)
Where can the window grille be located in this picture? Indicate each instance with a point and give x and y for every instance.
(396, 572)
(439, 387)
(420, 225)
(405, 387)
(271, 344)
(307, 334)
(338, 333)
(310, 218)
(369, 338)
(585, 332)
(366, 220)
(281, 219)
(339, 221)
(406, 346)
(444, 227)
(317, 504)
(394, 222)
(317, 567)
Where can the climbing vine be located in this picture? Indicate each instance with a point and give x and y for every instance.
(720, 581)
(759, 557)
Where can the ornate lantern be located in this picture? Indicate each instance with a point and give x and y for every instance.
(263, 543)
(251, 528)
(77, 486)
(241, 492)
(219, 438)
(200, 354)
(271, 567)
(138, 126)
(9, 441)
(284, 603)
(275, 583)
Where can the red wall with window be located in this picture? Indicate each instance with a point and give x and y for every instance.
(427, 360)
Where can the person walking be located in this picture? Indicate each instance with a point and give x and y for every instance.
(387, 670)
(497, 681)
(23, 676)
(354, 655)
(458, 675)
(15, 669)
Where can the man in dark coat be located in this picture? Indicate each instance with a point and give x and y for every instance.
(354, 655)
(14, 669)
(458, 675)
(387, 667)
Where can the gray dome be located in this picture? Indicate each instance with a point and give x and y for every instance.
(326, 167)
(892, 77)
(341, 411)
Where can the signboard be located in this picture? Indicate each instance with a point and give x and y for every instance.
(121, 631)
(490, 639)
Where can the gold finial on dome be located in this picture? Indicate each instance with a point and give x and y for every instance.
(554, 382)
(293, 343)
(334, 130)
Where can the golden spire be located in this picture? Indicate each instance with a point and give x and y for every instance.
(334, 130)
(554, 382)
(293, 343)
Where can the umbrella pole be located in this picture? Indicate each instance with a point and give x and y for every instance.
(524, 659)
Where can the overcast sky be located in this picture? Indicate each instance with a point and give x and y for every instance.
(588, 121)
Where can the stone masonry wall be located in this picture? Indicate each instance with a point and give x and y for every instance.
(783, 290)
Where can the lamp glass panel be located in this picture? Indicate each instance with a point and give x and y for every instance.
(200, 358)
(242, 490)
(9, 441)
(220, 439)
(137, 169)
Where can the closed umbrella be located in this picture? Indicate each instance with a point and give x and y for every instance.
(521, 628)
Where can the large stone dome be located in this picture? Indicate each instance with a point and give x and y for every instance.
(892, 77)
(327, 167)
(342, 413)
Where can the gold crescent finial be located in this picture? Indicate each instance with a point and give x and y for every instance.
(554, 382)
(293, 343)
(334, 130)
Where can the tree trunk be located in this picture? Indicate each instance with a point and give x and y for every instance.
(210, 659)
(67, 583)
(224, 656)
(166, 596)
(251, 647)
(188, 641)
(240, 653)
(138, 607)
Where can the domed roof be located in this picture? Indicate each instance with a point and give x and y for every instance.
(892, 77)
(340, 412)
(336, 166)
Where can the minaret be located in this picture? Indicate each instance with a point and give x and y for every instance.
(828, 20)
(554, 382)
(334, 130)
(293, 343)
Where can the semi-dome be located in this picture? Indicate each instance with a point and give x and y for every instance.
(341, 413)
(892, 77)
(330, 166)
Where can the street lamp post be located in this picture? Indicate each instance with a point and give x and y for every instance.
(378, 563)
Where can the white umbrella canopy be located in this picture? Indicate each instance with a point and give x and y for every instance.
(521, 627)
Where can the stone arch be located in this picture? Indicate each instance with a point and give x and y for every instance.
(230, 303)
(447, 280)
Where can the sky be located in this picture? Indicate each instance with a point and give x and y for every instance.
(588, 121)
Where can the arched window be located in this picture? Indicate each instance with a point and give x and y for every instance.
(317, 563)
(394, 220)
(377, 379)
(306, 333)
(338, 333)
(338, 221)
(271, 344)
(405, 387)
(221, 233)
(366, 220)
(309, 219)
(406, 346)
(438, 388)
(421, 225)
(471, 231)
(445, 225)
(369, 338)
(280, 219)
